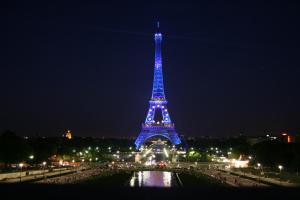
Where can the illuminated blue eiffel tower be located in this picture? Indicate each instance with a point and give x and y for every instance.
(153, 126)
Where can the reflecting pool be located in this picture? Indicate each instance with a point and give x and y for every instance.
(153, 179)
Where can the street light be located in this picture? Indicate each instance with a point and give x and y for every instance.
(60, 164)
(280, 167)
(21, 165)
(258, 166)
(44, 164)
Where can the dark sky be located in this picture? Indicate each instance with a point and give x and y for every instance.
(88, 67)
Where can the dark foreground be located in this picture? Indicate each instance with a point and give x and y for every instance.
(86, 191)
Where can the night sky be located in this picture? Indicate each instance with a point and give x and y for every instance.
(88, 67)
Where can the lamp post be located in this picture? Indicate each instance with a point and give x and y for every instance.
(259, 167)
(60, 164)
(280, 167)
(21, 165)
(44, 164)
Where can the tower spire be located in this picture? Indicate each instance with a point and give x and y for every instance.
(158, 85)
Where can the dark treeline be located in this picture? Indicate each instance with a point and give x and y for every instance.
(269, 153)
(15, 149)
(274, 153)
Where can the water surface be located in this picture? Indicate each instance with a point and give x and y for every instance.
(153, 179)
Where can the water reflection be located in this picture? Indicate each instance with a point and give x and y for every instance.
(153, 179)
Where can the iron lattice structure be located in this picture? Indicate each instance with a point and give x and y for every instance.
(158, 105)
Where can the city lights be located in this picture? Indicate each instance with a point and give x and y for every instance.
(166, 153)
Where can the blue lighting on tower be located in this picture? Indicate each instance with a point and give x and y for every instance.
(158, 103)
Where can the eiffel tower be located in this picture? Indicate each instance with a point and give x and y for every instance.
(158, 121)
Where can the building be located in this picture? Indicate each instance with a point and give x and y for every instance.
(68, 135)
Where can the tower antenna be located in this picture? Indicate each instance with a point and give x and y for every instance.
(157, 24)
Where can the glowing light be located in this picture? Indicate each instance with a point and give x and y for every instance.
(140, 178)
(166, 153)
(167, 179)
(289, 139)
(239, 163)
(258, 164)
(132, 181)
(148, 151)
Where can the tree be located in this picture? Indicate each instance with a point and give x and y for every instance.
(13, 149)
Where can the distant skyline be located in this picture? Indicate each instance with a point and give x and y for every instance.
(228, 68)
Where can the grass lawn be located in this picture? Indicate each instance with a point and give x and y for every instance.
(109, 179)
(190, 179)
